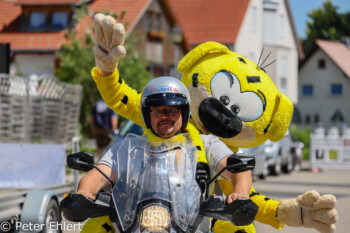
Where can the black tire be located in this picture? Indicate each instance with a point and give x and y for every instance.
(265, 172)
(275, 170)
(288, 168)
(297, 166)
(53, 218)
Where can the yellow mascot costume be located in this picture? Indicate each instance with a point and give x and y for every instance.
(232, 98)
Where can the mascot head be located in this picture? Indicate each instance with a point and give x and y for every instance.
(233, 98)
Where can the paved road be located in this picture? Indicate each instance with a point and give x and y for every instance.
(327, 181)
(332, 181)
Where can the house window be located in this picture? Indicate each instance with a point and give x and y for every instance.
(281, 26)
(317, 118)
(307, 90)
(296, 117)
(37, 20)
(59, 19)
(337, 116)
(154, 26)
(283, 70)
(153, 21)
(284, 83)
(321, 64)
(307, 119)
(253, 18)
(337, 89)
(269, 26)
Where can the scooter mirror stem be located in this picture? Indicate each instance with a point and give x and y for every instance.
(216, 176)
(87, 164)
(236, 164)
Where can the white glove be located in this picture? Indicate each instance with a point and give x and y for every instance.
(109, 40)
(309, 210)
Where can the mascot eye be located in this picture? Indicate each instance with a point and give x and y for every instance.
(226, 87)
(225, 100)
(249, 106)
(235, 109)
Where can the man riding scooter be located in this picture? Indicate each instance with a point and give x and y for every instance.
(165, 107)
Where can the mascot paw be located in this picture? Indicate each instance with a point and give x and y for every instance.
(309, 210)
(109, 40)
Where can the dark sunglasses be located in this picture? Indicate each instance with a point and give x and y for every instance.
(168, 112)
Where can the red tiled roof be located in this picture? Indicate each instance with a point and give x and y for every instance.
(44, 41)
(10, 10)
(8, 13)
(222, 18)
(133, 9)
(45, 2)
(338, 52)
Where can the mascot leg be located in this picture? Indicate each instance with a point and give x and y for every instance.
(227, 227)
(98, 225)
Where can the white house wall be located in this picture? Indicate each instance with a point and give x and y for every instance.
(283, 46)
(248, 42)
(28, 64)
(292, 71)
(322, 102)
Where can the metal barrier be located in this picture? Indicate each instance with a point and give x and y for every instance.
(330, 150)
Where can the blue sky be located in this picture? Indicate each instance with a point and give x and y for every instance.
(300, 9)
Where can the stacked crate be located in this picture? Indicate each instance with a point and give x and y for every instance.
(41, 110)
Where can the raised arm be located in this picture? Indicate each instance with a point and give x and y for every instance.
(109, 48)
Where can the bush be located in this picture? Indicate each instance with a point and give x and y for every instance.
(302, 135)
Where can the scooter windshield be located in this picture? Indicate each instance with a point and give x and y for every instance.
(163, 171)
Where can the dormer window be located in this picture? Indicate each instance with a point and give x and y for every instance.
(321, 64)
(154, 25)
(37, 20)
(59, 19)
(52, 17)
(153, 21)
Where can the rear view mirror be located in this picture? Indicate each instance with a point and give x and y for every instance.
(81, 161)
(235, 164)
(238, 163)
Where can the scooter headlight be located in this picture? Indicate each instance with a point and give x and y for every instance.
(155, 218)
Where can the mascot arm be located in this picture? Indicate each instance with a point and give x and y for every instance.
(118, 95)
(309, 210)
(267, 207)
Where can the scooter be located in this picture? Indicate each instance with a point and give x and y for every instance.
(158, 189)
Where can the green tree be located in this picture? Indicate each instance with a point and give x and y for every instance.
(77, 59)
(326, 23)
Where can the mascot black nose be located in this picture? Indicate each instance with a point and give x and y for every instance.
(219, 120)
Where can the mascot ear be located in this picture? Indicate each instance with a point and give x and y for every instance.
(197, 53)
(281, 118)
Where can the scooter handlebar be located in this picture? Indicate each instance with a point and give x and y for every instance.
(241, 212)
(77, 208)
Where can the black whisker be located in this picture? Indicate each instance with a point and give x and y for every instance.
(268, 64)
(265, 59)
(262, 51)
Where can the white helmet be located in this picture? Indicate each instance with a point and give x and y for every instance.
(165, 91)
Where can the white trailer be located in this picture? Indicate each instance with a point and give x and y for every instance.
(41, 110)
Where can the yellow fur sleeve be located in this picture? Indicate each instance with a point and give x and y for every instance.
(119, 96)
(267, 207)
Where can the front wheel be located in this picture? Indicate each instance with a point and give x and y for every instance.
(287, 168)
(52, 218)
(265, 171)
(276, 168)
